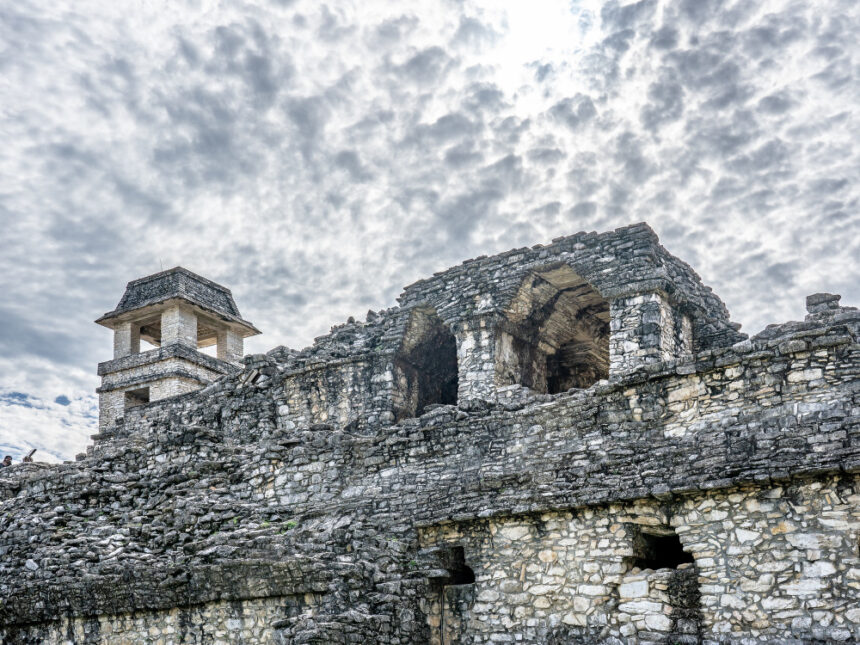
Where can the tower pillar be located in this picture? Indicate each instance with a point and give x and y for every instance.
(126, 339)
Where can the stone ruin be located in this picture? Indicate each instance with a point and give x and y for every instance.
(177, 312)
(569, 443)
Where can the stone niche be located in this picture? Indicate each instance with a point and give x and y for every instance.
(554, 336)
(425, 367)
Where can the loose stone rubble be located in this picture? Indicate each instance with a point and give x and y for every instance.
(570, 443)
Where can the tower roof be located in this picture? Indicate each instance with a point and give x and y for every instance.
(177, 284)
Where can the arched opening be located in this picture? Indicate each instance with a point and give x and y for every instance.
(425, 368)
(555, 335)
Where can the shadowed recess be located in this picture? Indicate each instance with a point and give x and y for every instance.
(557, 334)
(426, 367)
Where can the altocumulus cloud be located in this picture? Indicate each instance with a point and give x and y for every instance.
(317, 157)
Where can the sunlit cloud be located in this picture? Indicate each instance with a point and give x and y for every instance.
(316, 158)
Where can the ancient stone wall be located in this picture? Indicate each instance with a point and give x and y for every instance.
(238, 621)
(164, 372)
(705, 495)
(766, 562)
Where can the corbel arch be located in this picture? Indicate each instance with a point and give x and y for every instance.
(554, 333)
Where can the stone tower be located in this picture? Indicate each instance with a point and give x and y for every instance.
(178, 312)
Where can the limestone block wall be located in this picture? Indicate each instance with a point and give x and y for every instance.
(111, 407)
(771, 564)
(230, 345)
(167, 371)
(660, 605)
(112, 404)
(476, 353)
(204, 372)
(647, 329)
(179, 326)
(352, 392)
(249, 622)
(163, 388)
(126, 339)
(538, 578)
(778, 562)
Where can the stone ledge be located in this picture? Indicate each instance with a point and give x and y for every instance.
(147, 378)
(163, 353)
(160, 587)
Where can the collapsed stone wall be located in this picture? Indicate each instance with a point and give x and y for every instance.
(516, 517)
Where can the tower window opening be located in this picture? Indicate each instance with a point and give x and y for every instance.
(209, 350)
(133, 398)
(146, 346)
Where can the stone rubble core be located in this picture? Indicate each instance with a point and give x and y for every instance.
(569, 443)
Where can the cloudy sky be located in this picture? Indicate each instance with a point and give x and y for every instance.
(316, 157)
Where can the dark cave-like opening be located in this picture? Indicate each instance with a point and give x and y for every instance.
(659, 551)
(426, 367)
(556, 334)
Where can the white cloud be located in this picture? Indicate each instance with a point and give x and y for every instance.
(317, 158)
(57, 430)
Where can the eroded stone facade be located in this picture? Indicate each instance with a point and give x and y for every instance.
(565, 444)
(769, 564)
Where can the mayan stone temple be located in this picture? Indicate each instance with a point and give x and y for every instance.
(569, 443)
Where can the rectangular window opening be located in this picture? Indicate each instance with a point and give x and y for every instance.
(653, 551)
(133, 398)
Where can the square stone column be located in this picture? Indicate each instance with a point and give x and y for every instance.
(179, 327)
(230, 346)
(646, 329)
(476, 359)
(126, 339)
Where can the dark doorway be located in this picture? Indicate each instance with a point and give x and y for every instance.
(461, 573)
(426, 366)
